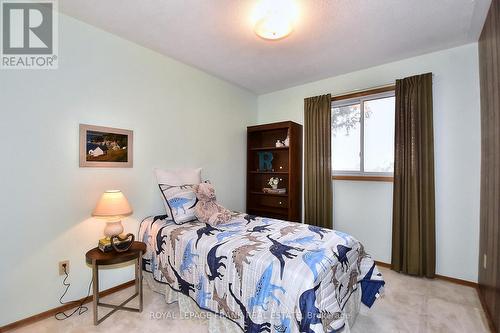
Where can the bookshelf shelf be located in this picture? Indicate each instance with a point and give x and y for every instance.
(270, 194)
(269, 172)
(269, 148)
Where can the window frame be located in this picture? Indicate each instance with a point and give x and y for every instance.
(360, 98)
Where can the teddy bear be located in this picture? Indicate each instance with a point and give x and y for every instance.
(207, 209)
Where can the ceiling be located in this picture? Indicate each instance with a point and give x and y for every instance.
(332, 37)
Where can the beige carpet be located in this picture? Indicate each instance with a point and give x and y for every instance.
(408, 305)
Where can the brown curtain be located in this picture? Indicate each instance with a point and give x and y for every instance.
(413, 226)
(318, 201)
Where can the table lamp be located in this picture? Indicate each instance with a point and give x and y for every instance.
(112, 207)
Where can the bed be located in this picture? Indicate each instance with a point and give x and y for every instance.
(257, 274)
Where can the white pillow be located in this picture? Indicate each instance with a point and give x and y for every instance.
(176, 178)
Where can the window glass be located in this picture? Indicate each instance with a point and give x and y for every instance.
(346, 130)
(363, 135)
(379, 135)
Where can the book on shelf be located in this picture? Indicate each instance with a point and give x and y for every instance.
(274, 191)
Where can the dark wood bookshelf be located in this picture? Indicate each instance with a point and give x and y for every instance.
(286, 165)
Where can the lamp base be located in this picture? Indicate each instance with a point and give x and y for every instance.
(113, 229)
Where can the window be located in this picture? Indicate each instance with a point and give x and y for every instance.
(363, 135)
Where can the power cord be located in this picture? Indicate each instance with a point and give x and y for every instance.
(81, 309)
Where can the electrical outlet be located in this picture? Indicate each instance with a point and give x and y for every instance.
(62, 265)
(484, 260)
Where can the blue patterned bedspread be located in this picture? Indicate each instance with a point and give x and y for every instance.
(266, 275)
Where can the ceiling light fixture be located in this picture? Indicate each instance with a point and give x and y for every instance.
(275, 19)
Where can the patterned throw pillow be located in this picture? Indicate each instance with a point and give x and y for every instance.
(177, 178)
(181, 201)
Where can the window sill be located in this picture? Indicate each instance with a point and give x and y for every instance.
(388, 179)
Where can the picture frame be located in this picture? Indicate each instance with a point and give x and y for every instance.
(106, 147)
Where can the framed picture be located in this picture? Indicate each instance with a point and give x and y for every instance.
(106, 147)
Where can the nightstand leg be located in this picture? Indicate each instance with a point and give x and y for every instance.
(95, 285)
(139, 277)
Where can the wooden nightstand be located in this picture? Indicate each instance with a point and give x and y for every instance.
(96, 258)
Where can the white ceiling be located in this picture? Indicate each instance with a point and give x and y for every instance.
(332, 37)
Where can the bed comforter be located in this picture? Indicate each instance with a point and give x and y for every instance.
(265, 275)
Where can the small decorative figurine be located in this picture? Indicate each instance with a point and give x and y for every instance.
(273, 182)
(122, 244)
(279, 144)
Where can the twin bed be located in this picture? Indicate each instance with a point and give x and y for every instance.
(257, 274)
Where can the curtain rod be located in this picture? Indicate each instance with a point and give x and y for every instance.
(365, 89)
(393, 84)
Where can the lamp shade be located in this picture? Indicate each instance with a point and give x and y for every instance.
(112, 204)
